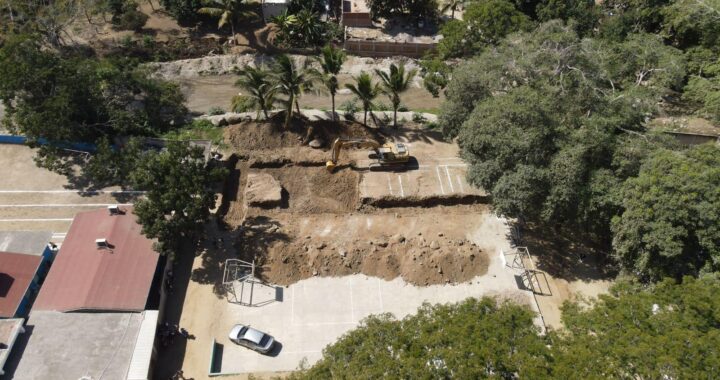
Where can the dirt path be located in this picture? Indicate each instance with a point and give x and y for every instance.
(211, 91)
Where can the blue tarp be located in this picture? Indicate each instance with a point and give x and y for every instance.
(84, 147)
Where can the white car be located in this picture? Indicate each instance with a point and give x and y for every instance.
(253, 339)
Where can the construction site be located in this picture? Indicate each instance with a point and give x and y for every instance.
(309, 241)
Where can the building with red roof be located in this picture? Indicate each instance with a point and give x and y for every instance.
(104, 264)
(17, 280)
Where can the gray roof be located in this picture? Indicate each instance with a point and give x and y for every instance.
(73, 345)
(27, 242)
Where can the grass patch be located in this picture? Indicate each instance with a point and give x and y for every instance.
(197, 130)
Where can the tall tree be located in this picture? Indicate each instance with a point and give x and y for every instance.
(331, 61)
(669, 226)
(257, 82)
(452, 6)
(179, 193)
(227, 12)
(395, 82)
(293, 81)
(365, 90)
(666, 331)
(469, 340)
(541, 117)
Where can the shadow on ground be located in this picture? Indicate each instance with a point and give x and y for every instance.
(569, 255)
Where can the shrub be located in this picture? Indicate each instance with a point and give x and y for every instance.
(242, 103)
(215, 111)
(132, 20)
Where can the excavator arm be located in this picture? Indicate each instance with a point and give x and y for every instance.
(341, 143)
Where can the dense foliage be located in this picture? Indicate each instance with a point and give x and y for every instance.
(671, 211)
(425, 10)
(668, 331)
(475, 338)
(179, 193)
(554, 121)
(484, 23)
(68, 97)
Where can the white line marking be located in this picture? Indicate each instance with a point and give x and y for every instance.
(442, 189)
(70, 205)
(70, 191)
(402, 191)
(382, 307)
(389, 184)
(460, 183)
(452, 189)
(38, 220)
(292, 306)
(352, 307)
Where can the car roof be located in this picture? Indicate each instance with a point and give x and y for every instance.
(253, 335)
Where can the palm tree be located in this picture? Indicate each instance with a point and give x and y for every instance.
(365, 91)
(256, 81)
(292, 81)
(226, 10)
(331, 62)
(395, 82)
(453, 5)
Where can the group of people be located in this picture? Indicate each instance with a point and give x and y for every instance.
(168, 333)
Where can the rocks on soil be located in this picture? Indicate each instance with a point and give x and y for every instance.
(262, 190)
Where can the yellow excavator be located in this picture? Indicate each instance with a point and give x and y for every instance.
(388, 155)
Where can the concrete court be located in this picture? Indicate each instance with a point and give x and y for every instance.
(316, 312)
(435, 170)
(36, 199)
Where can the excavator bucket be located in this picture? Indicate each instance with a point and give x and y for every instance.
(330, 166)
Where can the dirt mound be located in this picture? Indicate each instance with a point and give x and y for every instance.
(284, 260)
(251, 135)
(313, 190)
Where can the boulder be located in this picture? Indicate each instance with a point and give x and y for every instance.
(316, 144)
(262, 190)
(434, 244)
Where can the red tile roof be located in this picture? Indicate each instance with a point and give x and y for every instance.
(16, 273)
(85, 277)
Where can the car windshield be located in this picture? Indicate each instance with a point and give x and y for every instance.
(264, 340)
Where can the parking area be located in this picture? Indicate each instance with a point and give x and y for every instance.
(35, 199)
(308, 315)
(435, 170)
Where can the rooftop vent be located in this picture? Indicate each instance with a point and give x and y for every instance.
(102, 243)
(114, 209)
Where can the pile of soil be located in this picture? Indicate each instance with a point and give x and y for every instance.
(314, 190)
(418, 260)
(271, 134)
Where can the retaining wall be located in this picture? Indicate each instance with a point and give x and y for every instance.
(386, 49)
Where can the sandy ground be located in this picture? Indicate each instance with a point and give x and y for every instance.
(329, 253)
(206, 92)
(312, 313)
(33, 198)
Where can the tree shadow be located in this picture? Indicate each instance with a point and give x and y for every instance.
(427, 136)
(170, 357)
(249, 242)
(568, 254)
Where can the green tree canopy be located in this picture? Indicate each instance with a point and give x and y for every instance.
(73, 98)
(669, 226)
(670, 331)
(484, 23)
(472, 339)
(540, 117)
(179, 193)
